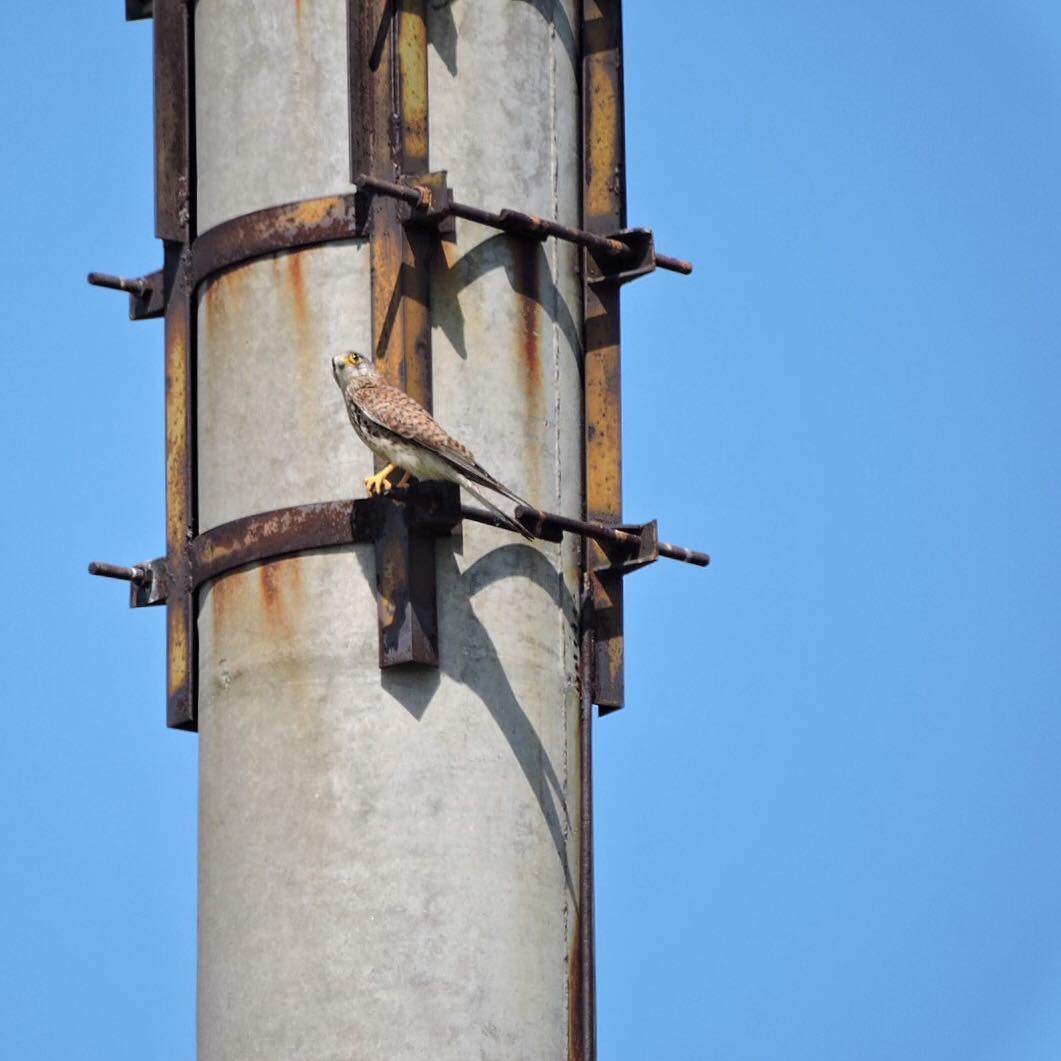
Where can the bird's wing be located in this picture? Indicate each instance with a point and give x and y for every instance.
(393, 410)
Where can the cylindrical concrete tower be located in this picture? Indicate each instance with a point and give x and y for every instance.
(388, 858)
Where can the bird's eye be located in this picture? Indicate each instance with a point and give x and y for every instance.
(352, 359)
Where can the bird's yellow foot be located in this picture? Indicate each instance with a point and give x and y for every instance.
(379, 483)
(403, 481)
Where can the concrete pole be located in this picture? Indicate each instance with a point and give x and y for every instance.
(388, 860)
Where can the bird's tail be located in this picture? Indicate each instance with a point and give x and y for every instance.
(501, 514)
(494, 484)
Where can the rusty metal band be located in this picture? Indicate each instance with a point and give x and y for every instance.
(603, 211)
(291, 226)
(281, 532)
(429, 508)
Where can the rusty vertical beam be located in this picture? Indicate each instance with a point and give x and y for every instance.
(389, 124)
(173, 120)
(181, 676)
(175, 226)
(603, 211)
(411, 92)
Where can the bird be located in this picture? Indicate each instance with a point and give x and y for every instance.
(398, 429)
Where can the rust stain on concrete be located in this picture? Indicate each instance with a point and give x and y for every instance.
(528, 291)
(280, 585)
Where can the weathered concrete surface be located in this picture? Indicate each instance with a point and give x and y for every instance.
(271, 102)
(388, 863)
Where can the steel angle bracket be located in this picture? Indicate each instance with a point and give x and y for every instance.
(604, 269)
(147, 294)
(603, 211)
(388, 101)
(426, 205)
(139, 9)
(626, 559)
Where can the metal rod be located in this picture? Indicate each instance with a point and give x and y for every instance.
(686, 556)
(413, 196)
(674, 265)
(539, 523)
(481, 515)
(514, 221)
(601, 532)
(119, 283)
(136, 575)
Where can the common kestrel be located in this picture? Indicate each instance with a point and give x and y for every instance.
(404, 434)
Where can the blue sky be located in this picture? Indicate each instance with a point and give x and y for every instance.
(828, 821)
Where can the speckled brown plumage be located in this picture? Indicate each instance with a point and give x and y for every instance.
(394, 409)
(402, 432)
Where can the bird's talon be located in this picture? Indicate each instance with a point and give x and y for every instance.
(379, 483)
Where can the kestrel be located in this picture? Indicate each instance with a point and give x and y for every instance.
(404, 434)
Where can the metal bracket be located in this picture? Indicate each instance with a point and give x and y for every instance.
(427, 200)
(628, 558)
(139, 9)
(147, 580)
(427, 204)
(641, 260)
(154, 588)
(147, 297)
(428, 509)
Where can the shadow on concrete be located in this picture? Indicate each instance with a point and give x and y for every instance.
(412, 685)
(553, 11)
(442, 33)
(528, 272)
(442, 30)
(473, 661)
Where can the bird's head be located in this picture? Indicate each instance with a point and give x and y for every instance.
(350, 366)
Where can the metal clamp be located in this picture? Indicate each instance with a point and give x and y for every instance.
(139, 9)
(146, 293)
(620, 257)
(148, 582)
(429, 508)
